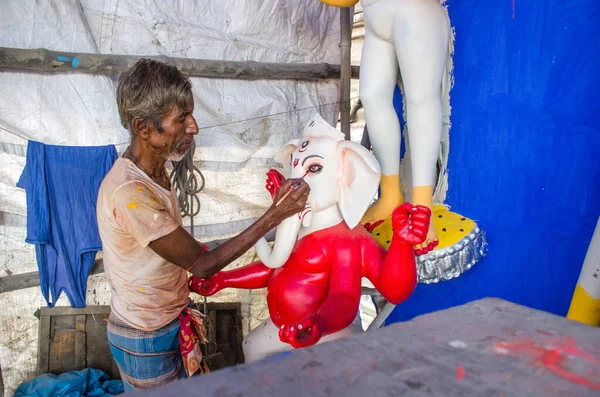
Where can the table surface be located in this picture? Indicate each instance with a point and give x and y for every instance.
(488, 347)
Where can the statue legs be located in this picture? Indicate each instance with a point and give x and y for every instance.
(412, 36)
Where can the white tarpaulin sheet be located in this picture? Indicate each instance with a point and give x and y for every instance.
(242, 124)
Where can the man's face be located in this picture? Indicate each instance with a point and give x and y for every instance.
(178, 130)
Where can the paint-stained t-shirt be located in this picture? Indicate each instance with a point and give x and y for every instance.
(148, 292)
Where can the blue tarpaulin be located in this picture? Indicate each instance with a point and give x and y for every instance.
(88, 382)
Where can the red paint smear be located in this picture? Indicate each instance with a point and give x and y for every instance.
(513, 9)
(371, 226)
(460, 373)
(553, 358)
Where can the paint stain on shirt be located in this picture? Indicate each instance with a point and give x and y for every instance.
(154, 201)
(132, 205)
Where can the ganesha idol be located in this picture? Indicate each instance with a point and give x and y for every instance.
(314, 270)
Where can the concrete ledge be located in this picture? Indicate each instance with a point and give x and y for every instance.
(488, 347)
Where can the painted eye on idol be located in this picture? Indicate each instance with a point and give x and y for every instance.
(314, 168)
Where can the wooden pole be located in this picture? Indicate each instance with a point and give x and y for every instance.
(32, 279)
(46, 61)
(346, 42)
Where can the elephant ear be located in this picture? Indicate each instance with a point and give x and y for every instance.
(359, 174)
(283, 156)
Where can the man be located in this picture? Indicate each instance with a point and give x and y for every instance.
(147, 253)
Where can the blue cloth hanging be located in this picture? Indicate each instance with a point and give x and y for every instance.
(61, 185)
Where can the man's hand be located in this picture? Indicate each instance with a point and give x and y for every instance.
(306, 333)
(293, 203)
(411, 223)
(208, 286)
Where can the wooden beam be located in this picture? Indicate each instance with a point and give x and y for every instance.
(43, 363)
(72, 311)
(32, 279)
(45, 61)
(346, 43)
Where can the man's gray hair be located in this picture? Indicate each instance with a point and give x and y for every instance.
(149, 90)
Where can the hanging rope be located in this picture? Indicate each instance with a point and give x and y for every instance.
(185, 179)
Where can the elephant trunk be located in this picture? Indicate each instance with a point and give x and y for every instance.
(285, 239)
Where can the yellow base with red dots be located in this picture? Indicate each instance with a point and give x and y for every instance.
(450, 227)
(461, 244)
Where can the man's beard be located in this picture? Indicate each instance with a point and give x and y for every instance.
(176, 156)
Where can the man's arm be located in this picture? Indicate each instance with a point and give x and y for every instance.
(180, 248)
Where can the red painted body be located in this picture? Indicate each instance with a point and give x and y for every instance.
(317, 291)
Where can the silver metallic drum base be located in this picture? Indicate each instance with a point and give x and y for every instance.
(450, 262)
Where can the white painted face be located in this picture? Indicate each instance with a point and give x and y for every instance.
(315, 159)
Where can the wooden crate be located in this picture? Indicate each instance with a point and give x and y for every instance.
(225, 340)
(74, 339)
